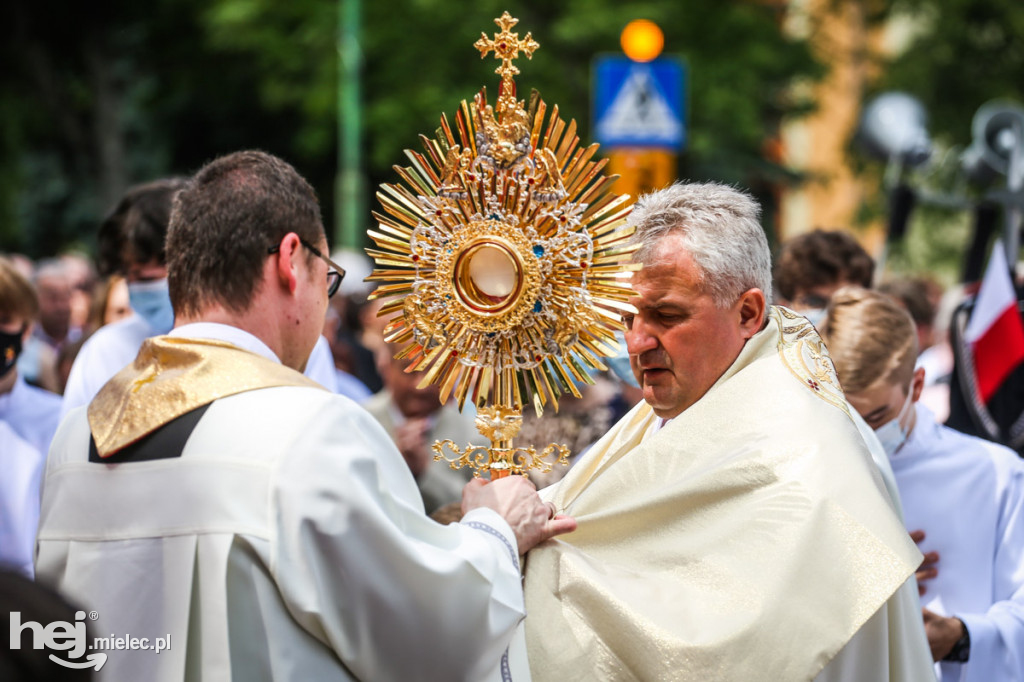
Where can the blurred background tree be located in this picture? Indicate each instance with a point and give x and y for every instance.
(960, 54)
(95, 98)
(954, 56)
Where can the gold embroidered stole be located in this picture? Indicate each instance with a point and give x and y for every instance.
(172, 376)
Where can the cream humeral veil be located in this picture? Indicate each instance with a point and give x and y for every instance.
(748, 539)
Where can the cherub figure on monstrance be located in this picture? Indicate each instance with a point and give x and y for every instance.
(503, 257)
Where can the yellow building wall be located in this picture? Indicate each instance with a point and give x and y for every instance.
(818, 144)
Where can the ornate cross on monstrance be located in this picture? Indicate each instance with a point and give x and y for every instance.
(506, 46)
(505, 263)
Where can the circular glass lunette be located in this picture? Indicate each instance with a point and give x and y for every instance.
(488, 275)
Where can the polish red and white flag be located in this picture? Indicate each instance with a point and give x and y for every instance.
(995, 330)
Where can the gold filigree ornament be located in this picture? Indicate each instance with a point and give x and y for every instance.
(504, 262)
(806, 356)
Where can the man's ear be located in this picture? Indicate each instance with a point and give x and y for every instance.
(287, 257)
(752, 306)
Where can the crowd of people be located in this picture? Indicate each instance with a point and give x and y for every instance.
(204, 436)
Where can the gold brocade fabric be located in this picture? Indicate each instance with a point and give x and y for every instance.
(172, 376)
(747, 539)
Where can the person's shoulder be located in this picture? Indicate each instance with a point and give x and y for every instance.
(976, 450)
(131, 332)
(961, 442)
(294, 400)
(1003, 457)
(289, 414)
(40, 401)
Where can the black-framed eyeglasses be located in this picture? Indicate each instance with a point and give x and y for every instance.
(335, 273)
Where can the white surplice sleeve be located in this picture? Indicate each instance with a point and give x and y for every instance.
(394, 594)
(997, 636)
(22, 467)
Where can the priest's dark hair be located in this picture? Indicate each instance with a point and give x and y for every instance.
(224, 221)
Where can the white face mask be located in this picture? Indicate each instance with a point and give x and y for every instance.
(893, 434)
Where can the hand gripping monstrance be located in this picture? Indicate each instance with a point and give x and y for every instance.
(505, 263)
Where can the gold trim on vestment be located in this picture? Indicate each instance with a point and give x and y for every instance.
(172, 376)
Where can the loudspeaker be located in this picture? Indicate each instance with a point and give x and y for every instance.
(995, 127)
(894, 125)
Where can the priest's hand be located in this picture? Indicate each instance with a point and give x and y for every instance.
(943, 633)
(532, 520)
(927, 569)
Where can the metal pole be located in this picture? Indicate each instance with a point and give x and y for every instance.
(1014, 183)
(350, 183)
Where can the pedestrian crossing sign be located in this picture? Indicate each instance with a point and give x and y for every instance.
(640, 104)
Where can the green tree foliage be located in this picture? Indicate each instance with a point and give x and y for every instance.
(962, 54)
(965, 53)
(98, 98)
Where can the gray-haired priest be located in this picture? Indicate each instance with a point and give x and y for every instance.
(732, 526)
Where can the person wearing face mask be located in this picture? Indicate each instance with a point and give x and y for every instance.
(962, 496)
(131, 243)
(28, 421)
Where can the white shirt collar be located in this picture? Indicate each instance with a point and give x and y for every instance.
(227, 333)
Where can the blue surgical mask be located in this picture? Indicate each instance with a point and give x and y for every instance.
(813, 315)
(619, 363)
(893, 434)
(152, 301)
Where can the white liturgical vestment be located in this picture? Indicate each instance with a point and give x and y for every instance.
(286, 541)
(967, 495)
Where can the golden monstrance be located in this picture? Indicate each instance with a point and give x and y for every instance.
(504, 263)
